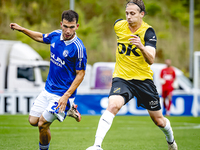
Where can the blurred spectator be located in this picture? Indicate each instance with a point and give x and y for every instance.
(168, 77)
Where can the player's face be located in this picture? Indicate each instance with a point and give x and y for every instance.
(168, 62)
(133, 15)
(68, 29)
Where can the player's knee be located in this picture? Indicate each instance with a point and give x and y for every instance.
(159, 122)
(40, 125)
(33, 120)
(43, 125)
(113, 108)
(115, 104)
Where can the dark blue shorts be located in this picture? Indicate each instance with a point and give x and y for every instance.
(144, 91)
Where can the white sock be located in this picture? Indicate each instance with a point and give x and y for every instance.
(167, 130)
(105, 123)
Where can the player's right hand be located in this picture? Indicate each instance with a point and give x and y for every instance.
(15, 26)
(62, 103)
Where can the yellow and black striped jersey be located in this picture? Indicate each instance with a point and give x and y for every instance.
(130, 63)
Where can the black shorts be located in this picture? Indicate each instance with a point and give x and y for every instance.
(144, 91)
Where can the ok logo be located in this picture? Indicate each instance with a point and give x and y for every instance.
(128, 50)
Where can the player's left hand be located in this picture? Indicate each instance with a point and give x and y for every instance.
(136, 41)
(62, 103)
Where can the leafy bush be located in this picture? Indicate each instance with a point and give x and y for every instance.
(153, 9)
(170, 19)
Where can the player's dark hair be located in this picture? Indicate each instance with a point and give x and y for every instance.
(139, 3)
(70, 15)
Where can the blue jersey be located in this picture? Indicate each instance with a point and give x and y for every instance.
(66, 58)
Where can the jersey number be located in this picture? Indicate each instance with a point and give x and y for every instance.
(54, 106)
(128, 50)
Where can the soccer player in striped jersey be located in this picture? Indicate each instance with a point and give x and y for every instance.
(132, 75)
(67, 69)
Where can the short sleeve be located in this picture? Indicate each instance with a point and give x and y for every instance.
(116, 27)
(81, 60)
(150, 38)
(48, 37)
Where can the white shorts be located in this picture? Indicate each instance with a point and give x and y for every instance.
(45, 105)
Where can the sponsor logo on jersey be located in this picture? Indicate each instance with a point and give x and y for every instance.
(131, 49)
(57, 60)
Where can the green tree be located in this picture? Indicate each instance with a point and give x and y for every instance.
(170, 20)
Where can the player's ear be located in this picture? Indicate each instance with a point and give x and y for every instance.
(77, 25)
(142, 14)
(61, 24)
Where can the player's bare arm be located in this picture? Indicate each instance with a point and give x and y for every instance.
(77, 81)
(37, 36)
(148, 52)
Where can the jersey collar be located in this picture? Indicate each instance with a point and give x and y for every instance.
(69, 41)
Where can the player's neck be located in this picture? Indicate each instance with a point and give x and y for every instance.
(134, 28)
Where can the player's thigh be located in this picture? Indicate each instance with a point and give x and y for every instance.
(157, 117)
(39, 104)
(120, 91)
(38, 107)
(119, 95)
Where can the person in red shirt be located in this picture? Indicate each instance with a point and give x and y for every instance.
(167, 76)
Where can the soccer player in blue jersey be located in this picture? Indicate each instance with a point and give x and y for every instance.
(133, 77)
(67, 69)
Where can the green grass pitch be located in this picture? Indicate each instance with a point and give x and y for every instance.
(126, 133)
